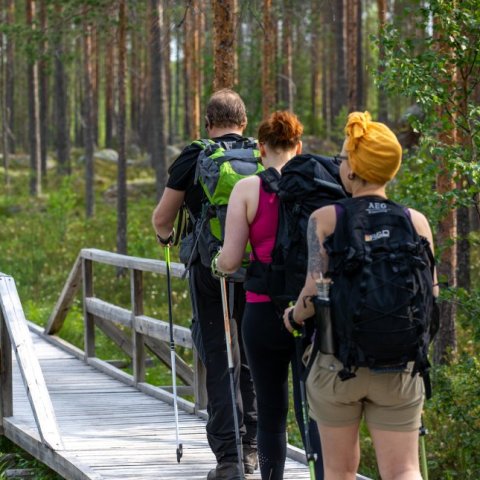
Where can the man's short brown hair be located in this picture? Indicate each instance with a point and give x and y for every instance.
(226, 109)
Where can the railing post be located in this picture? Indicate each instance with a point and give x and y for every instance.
(89, 320)
(138, 341)
(6, 395)
(199, 382)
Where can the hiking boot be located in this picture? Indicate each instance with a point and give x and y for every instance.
(225, 471)
(250, 460)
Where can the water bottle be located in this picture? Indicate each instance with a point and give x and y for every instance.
(322, 312)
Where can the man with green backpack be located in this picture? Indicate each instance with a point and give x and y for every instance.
(200, 181)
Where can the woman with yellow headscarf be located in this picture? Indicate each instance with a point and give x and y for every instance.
(389, 399)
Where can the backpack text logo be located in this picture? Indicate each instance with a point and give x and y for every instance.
(377, 207)
(377, 235)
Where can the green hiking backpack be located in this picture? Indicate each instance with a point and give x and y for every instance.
(220, 165)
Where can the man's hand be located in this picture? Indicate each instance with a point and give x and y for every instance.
(166, 242)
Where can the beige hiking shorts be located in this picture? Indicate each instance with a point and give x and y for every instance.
(389, 401)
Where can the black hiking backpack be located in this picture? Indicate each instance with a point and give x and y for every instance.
(381, 297)
(307, 182)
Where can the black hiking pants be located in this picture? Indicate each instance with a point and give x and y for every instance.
(270, 350)
(208, 331)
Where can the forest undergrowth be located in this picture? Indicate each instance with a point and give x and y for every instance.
(40, 239)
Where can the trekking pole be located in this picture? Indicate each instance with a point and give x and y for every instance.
(423, 452)
(172, 352)
(309, 453)
(228, 341)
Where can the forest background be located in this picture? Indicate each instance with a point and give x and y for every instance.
(98, 97)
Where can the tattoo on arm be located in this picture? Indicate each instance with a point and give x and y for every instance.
(315, 254)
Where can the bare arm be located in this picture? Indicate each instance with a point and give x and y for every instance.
(321, 224)
(165, 212)
(237, 224)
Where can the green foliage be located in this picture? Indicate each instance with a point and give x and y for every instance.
(453, 418)
(439, 69)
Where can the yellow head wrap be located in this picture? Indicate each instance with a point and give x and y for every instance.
(374, 152)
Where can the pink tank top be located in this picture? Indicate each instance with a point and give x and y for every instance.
(263, 230)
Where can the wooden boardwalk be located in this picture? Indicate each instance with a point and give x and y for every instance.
(110, 430)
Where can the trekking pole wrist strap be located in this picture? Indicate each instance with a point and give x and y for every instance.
(293, 323)
(166, 241)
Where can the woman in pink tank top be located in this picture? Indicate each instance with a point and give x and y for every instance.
(253, 216)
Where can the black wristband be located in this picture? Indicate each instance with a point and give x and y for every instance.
(165, 241)
(293, 323)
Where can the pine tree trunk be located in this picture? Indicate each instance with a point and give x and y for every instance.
(352, 52)
(109, 90)
(316, 77)
(158, 107)
(224, 29)
(382, 96)
(195, 69)
(122, 120)
(95, 83)
(268, 64)
(360, 77)
(339, 91)
(287, 54)
(10, 78)
(446, 341)
(176, 115)
(168, 73)
(88, 128)
(187, 72)
(34, 112)
(3, 107)
(43, 91)
(61, 101)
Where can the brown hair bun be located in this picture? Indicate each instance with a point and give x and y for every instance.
(282, 130)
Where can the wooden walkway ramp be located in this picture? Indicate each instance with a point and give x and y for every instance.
(110, 430)
(87, 419)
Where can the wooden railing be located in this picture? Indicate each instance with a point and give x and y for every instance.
(146, 332)
(14, 333)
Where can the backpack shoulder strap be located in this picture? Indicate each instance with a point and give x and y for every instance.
(270, 178)
(203, 142)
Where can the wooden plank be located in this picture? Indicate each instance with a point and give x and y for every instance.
(63, 462)
(153, 328)
(6, 396)
(162, 351)
(29, 367)
(64, 303)
(138, 341)
(134, 263)
(200, 381)
(88, 317)
(158, 348)
(108, 311)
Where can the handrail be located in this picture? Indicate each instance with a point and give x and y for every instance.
(14, 332)
(146, 331)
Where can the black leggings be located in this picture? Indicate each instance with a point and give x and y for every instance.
(270, 349)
